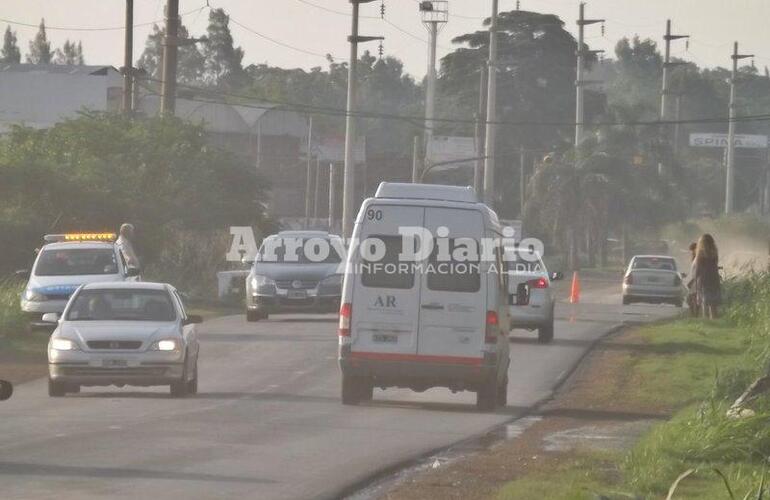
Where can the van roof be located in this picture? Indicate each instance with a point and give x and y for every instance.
(299, 233)
(402, 190)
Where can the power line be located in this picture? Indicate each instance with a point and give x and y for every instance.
(278, 42)
(96, 28)
(416, 120)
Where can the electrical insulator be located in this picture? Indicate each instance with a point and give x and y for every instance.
(382, 9)
(518, 4)
(381, 50)
(687, 45)
(603, 31)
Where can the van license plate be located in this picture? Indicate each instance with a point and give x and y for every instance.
(385, 339)
(114, 363)
(297, 294)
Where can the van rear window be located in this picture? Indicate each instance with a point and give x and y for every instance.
(387, 273)
(453, 275)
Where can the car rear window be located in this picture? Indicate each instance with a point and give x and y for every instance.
(453, 275)
(76, 262)
(654, 263)
(387, 273)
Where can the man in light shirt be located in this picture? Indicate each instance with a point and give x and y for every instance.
(126, 247)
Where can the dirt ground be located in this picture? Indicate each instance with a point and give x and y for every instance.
(588, 413)
(21, 366)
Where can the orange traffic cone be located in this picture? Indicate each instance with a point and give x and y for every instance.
(574, 295)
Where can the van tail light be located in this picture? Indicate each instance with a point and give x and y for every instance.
(492, 328)
(629, 280)
(346, 311)
(538, 283)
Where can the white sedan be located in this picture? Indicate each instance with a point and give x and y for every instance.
(653, 279)
(123, 334)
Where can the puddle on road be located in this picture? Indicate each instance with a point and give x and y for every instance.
(511, 430)
(609, 437)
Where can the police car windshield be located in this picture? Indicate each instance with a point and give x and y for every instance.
(122, 305)
(76, 262)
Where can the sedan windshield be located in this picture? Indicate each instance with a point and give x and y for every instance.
(122, 305)
(284, 251)
(76, 262)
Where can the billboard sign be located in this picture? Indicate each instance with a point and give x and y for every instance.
(708, 140)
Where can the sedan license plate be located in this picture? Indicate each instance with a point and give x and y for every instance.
(385, 339)
(297, 294)
(114, 363)
(653, 279)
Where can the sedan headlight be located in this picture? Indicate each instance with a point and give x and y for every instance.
(333, 280)
(60, 344)
(33, 296)
(166, 345)
(258, 280)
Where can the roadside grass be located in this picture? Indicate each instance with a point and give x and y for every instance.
(697, 368)
(12, 321)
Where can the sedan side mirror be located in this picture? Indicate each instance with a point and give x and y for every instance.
(558, 275)
(132, 272)
(6, 390)
(193, 319)
(683, 275)
(22, 274)
(50, 318)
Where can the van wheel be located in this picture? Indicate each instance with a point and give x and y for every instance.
(486, 396)
(502, 393)
(56, 389)
(352, 390)
(545, 333)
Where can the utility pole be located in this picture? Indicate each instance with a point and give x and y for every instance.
(491, 134)
(348, 176)
(666, 74)
(435, 14)
(478, 171)
(677, 119)
(168, 84)
(317, 195)
(522, 180)
(416, 167)
(128, 59)
(332, 196)
(730, 181)
(309, 173)
(580, 83)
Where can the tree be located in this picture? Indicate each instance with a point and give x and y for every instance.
(102, 169)
(70, 53)
(535, 82)
(40, 48)
(189, 59)
(223, 65)
(10, 52)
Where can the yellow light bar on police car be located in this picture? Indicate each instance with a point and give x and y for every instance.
(51, 238)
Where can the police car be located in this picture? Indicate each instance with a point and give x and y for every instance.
(64, 263)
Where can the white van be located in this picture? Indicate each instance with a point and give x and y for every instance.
(436, 323)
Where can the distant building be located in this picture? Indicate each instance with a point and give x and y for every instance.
(40, 95)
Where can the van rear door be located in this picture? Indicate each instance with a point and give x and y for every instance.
(453, 294)
(385, 301)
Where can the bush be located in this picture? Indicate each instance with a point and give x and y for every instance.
(12, 320)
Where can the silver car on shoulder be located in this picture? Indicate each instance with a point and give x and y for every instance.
(653, 279)
(120, 334)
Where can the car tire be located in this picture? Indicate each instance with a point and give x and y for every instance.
(545, 333)
(678, 303)
(253, 316)
(179, 389)
(352, 390)
(192, 385)
(502, 393)
(486, 395)
(73, 388)
(367, 390)
(56, 389)
(626, 301)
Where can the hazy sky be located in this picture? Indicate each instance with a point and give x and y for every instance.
(304, 24)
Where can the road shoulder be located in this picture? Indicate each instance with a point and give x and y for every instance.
(584, 434)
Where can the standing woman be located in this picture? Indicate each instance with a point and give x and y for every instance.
(706, 274)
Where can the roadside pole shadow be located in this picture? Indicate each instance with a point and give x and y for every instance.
(47, 470)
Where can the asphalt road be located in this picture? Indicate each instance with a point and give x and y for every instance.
(268, 422)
